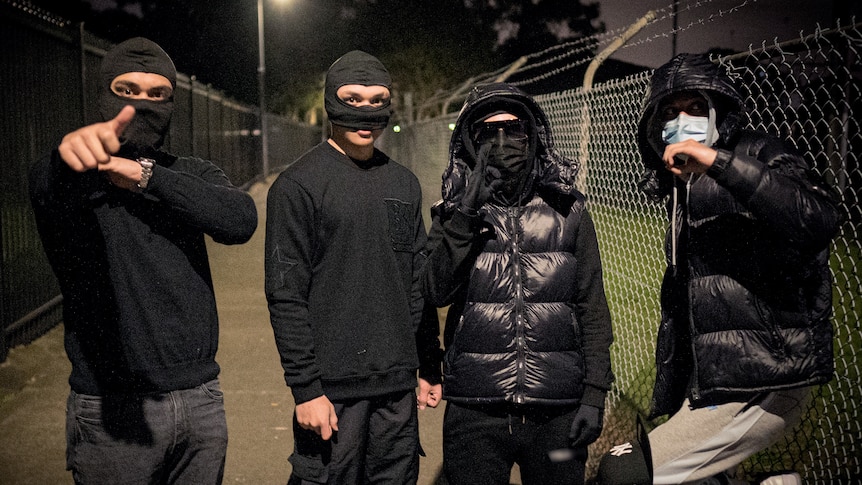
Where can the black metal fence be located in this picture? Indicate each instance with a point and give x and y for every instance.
(48, 73)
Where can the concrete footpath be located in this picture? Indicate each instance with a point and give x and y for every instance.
(33, 387)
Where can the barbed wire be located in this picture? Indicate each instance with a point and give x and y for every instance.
(607, 39)
(38, 12)
(584, 48)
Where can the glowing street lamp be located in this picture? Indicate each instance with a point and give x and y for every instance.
(261, 76)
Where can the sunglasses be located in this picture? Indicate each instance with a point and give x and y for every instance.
(516, 129)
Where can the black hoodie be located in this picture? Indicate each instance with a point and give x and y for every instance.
(138, 304)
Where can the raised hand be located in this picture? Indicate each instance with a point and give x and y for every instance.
(88, 147)
(688, 156)
(479, 189)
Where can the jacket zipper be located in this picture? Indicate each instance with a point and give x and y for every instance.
(520, 341)
(693, 382)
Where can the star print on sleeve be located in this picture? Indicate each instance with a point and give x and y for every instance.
(277, 266)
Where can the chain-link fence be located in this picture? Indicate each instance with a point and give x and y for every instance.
(807, 91)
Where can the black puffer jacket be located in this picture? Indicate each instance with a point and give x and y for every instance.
(528, 322)
(746, 299)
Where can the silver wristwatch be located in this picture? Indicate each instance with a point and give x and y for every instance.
(146, 172)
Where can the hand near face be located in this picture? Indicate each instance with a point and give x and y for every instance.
(88, 147)
(688, 156)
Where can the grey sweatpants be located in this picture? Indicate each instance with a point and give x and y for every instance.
(696, 444)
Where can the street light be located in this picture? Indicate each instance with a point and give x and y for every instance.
(261, 76)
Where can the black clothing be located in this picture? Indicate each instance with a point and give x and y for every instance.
(356, 67)
(481, 443)
(152, 120)
(746, 299)
(386, 427)
(136, 55)
(138, 303)
(343, 252)
(529, 323)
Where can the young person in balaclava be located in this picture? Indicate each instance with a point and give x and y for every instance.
(344, 241)
(746, 298)
(514, 251)
(123, 225)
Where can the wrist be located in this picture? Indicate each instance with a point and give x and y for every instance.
(147, 165)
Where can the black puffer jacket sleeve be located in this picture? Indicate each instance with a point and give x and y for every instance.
(774, 183)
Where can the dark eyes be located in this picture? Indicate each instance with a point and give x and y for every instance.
(129, 91)
(353, 100)
(696, 108)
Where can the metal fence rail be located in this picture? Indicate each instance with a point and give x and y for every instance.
(50, 74)
(808, 91)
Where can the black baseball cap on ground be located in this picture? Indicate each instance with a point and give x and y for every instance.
(628, 463)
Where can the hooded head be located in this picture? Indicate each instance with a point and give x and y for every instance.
(356, 67)
(532, 155)
(696, 74)
(685, 74)
(152, 119)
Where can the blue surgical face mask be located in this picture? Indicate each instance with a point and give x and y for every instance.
(685, 127)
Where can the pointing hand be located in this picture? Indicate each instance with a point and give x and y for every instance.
(87, 147)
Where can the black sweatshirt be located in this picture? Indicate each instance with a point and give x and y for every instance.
(138, 302)
(343, 252)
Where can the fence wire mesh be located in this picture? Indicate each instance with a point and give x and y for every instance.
(806, 91)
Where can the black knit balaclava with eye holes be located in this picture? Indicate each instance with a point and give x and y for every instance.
(148, 128)
(356, 67)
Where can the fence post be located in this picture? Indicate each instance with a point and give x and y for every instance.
(588, 86)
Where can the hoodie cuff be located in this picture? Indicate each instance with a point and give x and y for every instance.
(464, 220)
(740, 175)
(722, 161)
(307, 392)
(594, 396)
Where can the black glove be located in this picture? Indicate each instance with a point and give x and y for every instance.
(587, 426)
(478, 189)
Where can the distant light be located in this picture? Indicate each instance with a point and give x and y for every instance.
(451, 126)
(396, 128)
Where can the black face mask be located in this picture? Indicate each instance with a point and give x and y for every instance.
(507, 146)
(147, 130)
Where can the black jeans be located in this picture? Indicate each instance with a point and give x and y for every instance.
(482, 443)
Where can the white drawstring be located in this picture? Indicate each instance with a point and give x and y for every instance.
(673, 229)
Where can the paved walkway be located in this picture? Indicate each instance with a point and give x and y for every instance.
(33, 387)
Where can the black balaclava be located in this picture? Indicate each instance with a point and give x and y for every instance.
(147, 130)
(356, 67)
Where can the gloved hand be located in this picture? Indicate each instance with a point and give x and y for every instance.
(587, 426)
(479, 189)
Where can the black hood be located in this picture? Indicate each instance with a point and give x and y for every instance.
(551, 171)
(685, 72)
